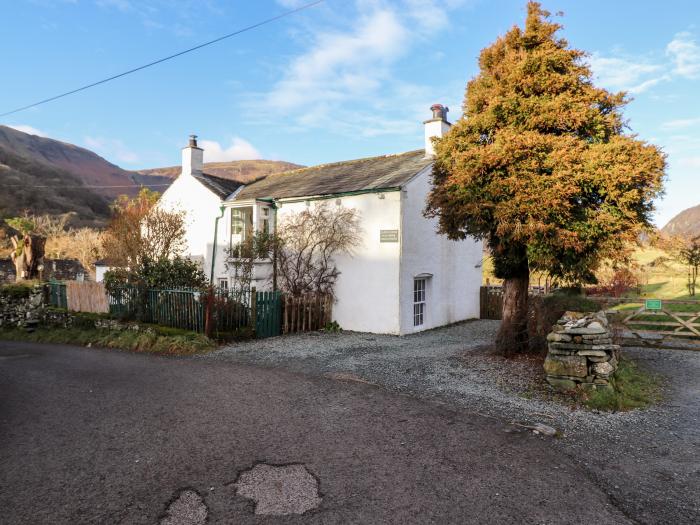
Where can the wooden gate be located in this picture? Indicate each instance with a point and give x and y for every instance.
(268, 314)
(490, 302)
(668, 319)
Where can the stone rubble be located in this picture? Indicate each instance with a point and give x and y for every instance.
(581, 352)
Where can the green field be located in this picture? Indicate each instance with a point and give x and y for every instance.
(659, 274)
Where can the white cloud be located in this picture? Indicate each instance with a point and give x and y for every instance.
(638, 74)
(239, 149)
(344, 79)
(341, 65)
(111, 149)
(25, 128)
(685, 53)
(677, 124)
(624, 73)
(689, 162)
(121, 5)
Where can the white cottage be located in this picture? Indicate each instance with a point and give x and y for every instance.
(402, 279)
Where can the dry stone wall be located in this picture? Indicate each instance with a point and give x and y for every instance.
(581, 352)
(21, 307)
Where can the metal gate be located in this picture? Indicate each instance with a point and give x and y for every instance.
(268, 314)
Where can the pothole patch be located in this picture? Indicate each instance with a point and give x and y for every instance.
(188, 509)
(278, 490)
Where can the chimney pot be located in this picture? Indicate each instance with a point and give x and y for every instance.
(192, 157)
(435, 127)
(439, 111)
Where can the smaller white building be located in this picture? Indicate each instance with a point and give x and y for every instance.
(403, 278)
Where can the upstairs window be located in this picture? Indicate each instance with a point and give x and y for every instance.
(265, 213)
(241, 224)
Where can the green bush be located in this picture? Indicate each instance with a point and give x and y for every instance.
(17, 291)
(332, 327)
(163, 274)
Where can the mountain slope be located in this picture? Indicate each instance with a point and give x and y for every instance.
(45, 176)
(89, 167)
(239, 170)
(40, 189)
(685, 224)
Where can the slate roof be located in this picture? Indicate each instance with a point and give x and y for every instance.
(221, 187)
(388, 171)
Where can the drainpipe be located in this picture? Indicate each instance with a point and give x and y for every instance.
(274, 249)
(216, 237)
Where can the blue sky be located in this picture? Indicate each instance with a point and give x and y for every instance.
(347, 79)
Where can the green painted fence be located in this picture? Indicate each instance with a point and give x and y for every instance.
(183, 308)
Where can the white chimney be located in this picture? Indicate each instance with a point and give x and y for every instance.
(435, 127)
(192, 157)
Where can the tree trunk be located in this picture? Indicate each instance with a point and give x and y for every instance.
(512, 336)
(27, 255)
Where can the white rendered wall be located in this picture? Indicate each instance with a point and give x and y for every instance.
(201, 208)
(453, 290)
(367, 289)
(100, 272)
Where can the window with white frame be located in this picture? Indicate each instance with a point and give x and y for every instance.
(265, 212)
(419, 301)
(241, 223)
(223, 284)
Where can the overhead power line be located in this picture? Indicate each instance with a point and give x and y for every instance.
(165, 59)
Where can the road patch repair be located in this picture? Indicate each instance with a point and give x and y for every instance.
(187, 509)
(279, 490)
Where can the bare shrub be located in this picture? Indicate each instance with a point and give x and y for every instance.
(307, 243)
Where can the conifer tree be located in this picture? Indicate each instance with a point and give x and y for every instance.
(542, 167)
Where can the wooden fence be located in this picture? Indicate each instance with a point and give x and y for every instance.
(491, 300)
(86, 296)
(306, 313)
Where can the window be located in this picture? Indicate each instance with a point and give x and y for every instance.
(418, 301)
(241, 223)
(223, 284)
(265, 220)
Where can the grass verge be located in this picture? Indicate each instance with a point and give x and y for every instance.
(160, 340)
(633, 388)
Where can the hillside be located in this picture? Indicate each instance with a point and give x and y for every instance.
(45, 176)
(240, 170)
(686, 224)
(40, 189)
(87, 166)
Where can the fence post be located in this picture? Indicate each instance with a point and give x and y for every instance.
(253, 308)
(208, 325)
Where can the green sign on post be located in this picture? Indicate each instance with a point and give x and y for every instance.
(652, 304)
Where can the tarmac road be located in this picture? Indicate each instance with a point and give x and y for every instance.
(97, 436)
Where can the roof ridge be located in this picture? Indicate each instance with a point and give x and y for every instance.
(337, 163)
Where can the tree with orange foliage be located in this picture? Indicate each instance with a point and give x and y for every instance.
(140, 230)
(541, 168)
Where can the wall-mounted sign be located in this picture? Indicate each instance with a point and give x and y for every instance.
(388, 235)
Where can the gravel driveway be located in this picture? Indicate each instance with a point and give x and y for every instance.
(648, 462)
